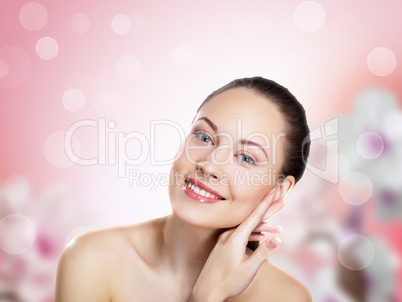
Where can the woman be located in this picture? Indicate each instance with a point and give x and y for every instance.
(247, 148)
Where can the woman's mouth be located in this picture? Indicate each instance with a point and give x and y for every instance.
(200, 192)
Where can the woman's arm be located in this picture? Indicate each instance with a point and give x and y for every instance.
(81, 272)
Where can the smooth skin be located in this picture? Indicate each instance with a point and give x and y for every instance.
(198, 252)
(238, 268)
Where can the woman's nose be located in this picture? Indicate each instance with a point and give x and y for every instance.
(206, 171)
(214, 164)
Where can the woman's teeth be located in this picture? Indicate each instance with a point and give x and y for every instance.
(199, 191)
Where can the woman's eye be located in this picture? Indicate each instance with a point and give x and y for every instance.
(203, 137)
(247, 159)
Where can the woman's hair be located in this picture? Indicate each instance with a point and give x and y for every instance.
(297, 137)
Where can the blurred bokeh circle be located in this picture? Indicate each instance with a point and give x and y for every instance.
(355, 188)
(17, 234)
(356, 252)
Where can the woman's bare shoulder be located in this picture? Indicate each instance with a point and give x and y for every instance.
(88, 260)
(109, 241)
(82, 268)
(106, 238)
(287, 287)
(102, 240)
(272, 283)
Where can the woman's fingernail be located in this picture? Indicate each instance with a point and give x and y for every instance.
(279, 228)
(271, 192)
(274, 243)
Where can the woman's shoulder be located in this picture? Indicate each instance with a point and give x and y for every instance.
(88, 261)
(95, 247)
(82, 268)
(272, 283)
(107, 241)
(287, 287)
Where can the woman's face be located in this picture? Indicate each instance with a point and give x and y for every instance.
(235, 147)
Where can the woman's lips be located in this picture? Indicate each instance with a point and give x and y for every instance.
(195, 189)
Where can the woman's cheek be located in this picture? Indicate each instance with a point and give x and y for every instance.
(250, 187)
(194, 156)
(251, 194)
(263, 178)
(244, 203)
(244, 177)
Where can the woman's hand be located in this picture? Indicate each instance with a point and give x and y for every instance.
(228, 271)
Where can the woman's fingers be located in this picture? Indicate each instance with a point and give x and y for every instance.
(279, 204)
(264, 250)
(254, 219)
(264, 227)
(256, 237)
(227, 268)
(268, 227)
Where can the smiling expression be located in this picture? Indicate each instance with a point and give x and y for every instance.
(229, 161)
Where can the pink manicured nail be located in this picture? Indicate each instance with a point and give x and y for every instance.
(274, 243)
(279, 228)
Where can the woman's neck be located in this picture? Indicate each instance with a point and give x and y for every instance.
(185, 248)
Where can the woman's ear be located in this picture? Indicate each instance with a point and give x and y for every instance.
(282, 190)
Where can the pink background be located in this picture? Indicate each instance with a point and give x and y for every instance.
(326, 52)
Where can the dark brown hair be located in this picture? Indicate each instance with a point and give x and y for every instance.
(297, 137)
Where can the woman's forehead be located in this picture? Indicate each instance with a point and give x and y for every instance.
(242, 108)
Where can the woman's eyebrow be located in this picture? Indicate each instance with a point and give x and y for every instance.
(210, 123)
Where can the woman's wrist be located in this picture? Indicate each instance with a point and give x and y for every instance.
(209, 296)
